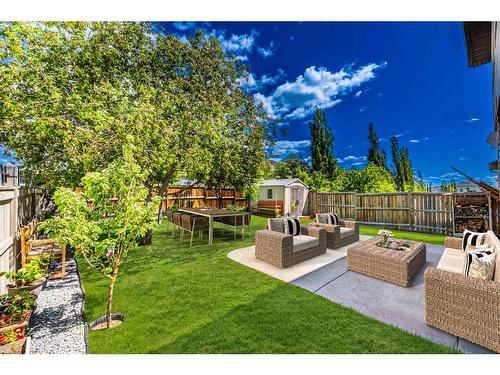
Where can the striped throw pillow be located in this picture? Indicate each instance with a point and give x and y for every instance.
(332, 219)
(472, 238)
(480, 264)
(291, 226)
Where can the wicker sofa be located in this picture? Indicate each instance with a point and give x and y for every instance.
(275, 247)
(346, 233)
(464, 306)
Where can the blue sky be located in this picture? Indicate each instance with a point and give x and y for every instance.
(409, 79)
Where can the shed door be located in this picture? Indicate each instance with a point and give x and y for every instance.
(296, 200)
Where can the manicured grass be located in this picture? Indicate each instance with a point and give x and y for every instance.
(181, 300)
(437, 239)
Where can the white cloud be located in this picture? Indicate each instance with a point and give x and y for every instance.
(252, 83)
(281, 149)
(358, 94)
(462, 149)
(347, 147)
(351, 158)
(399, 135)
(266, 52)
(449, 175)
(473, 119)
(463, 158)
(356, 164)
(363, 109)
(414, 141)
(317, 87)
(237, 43)
(184, 25)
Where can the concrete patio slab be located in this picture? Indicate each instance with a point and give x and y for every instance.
(246, 256)
(392, 304)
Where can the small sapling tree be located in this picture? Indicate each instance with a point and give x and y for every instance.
(106, 218)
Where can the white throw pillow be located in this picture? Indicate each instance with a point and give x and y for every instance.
(484, 267)
(484, 246)
(472, 238)
(291, 226)
(480, 263)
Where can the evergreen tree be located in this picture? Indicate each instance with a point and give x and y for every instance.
(322, 145)
(403, 169)
(376, 155)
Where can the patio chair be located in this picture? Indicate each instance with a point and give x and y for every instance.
(193, 223)
(170, 218)
(233, 221)
(177, 223)
(464, 306)
(282, 250)
(343, 234)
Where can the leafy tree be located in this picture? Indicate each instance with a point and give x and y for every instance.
(105, 219)
(292, 167)
(72, 92)
(371, 179)
(420, 183)
(448, 186)
(317, 181)
(322, 144)
(403, 170)
(376, 155)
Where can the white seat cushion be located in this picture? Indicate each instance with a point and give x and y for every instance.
(346, 232)
(301, 242)
(452, 260)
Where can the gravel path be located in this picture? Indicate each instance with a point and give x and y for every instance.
(58, 325)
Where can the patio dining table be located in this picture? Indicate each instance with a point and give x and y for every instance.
(212, 213)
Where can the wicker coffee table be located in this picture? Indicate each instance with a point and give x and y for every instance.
(394, 266)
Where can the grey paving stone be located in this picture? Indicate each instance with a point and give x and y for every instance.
(392, 304)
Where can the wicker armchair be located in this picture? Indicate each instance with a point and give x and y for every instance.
(464, 306)
(346, 233)
(283, 250)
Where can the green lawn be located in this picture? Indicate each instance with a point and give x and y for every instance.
(181, 300)
(437, 239)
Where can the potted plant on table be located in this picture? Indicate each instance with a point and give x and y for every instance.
(385, 234)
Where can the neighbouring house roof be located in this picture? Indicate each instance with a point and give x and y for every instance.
(281, 182)
(478, 41)
(466, 184)
(186, 182)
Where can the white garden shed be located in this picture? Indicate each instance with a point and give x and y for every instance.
(288, 195)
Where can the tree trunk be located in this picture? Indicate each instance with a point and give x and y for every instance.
(110, 296)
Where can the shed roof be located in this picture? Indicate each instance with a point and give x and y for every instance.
(281, 182)
(478, 40)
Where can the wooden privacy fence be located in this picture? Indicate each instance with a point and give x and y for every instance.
(197, 197)
(425, 212)
(18, 206)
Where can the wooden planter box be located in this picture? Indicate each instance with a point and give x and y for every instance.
(22, 325)
(16, 347)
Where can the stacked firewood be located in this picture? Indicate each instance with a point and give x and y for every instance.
(478, 211)
(470, 224)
